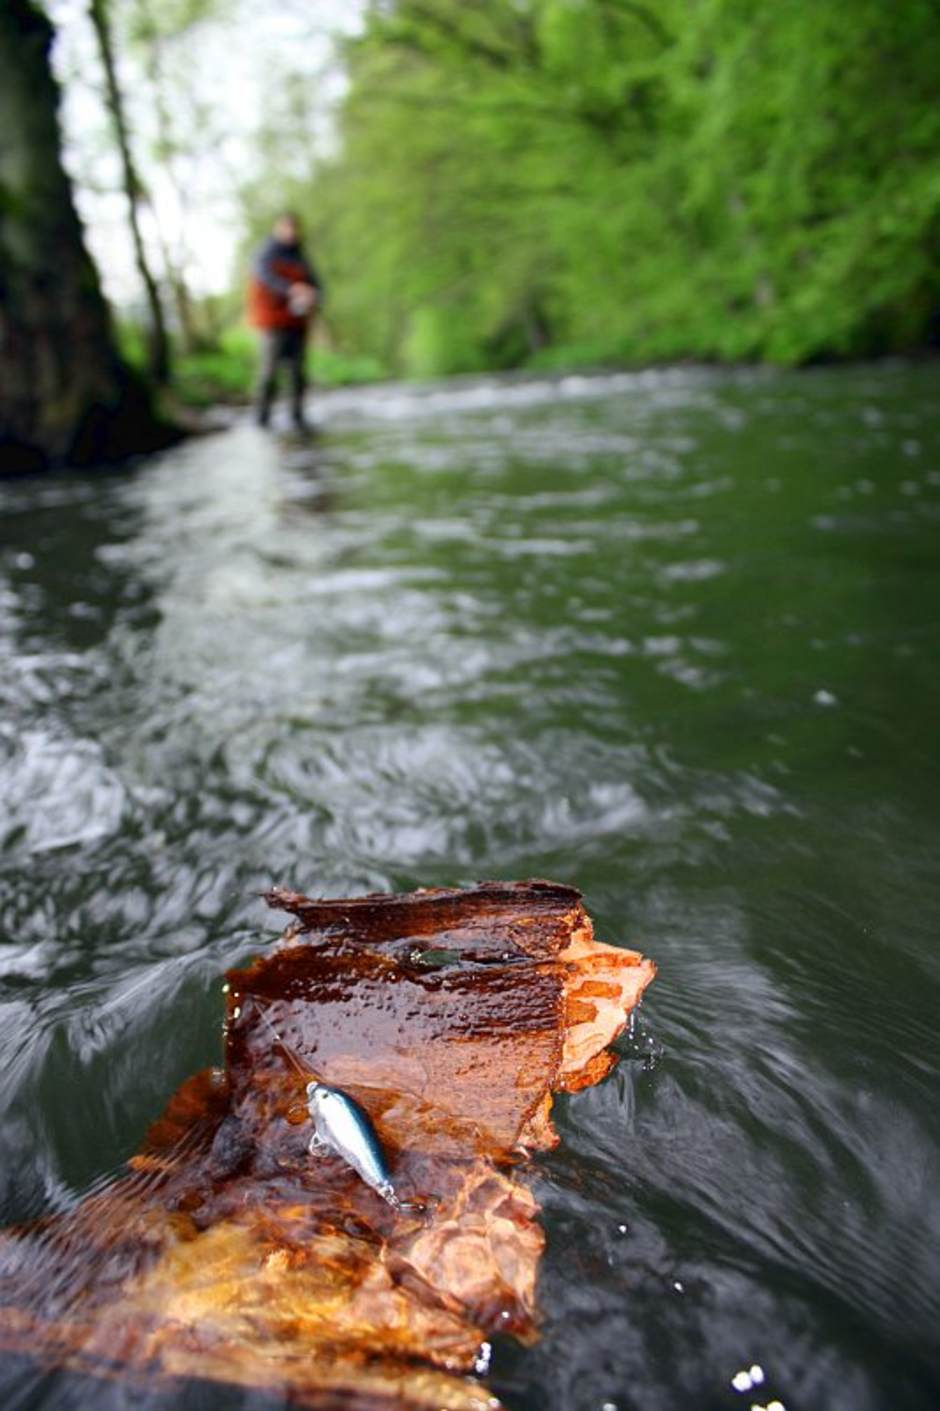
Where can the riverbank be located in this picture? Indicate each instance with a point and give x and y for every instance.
(224, 375)
(225, 372)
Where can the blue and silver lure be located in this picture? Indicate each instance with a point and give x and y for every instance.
(340, 1125)
(344, 1128)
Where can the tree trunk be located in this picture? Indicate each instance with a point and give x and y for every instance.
(191, 340)
(159, 348)
(65, 395)
(191, 336)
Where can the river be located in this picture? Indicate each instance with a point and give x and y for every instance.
(673, 637)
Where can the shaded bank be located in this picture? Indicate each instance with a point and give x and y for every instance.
(66, 396)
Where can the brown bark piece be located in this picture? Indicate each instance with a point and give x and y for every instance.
(227, 1253)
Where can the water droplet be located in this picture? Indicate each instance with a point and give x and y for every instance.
(825, 698)
(678, 1286)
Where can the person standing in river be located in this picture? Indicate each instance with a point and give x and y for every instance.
(283, 292)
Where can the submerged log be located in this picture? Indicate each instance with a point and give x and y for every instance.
(228, 1253)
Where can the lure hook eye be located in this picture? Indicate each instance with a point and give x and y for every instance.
(419, 1204)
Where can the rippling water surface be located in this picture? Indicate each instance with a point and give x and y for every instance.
(671, 637)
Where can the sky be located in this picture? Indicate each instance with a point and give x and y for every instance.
(230, 70)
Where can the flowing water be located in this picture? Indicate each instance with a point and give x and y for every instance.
(672, 637)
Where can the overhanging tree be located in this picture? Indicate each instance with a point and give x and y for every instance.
(158, 341)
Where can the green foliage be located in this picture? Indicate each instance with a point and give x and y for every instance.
(609, 180)
(152, 23)
(226, 372)
(132, 344)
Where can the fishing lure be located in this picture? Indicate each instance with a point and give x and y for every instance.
(344, 1128)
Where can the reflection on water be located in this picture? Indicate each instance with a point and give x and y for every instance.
(671, 637)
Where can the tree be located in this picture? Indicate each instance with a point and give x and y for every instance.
(65, 394)
(157, 34)
(159, 344)
(614, 180)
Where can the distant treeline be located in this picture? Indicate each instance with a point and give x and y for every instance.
(552, 181)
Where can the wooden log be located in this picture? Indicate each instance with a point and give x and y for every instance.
(226, 1253)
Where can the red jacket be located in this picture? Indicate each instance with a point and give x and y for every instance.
(274, 269)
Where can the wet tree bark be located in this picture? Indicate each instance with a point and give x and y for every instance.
(226, 1254)
(159, 348)
(65, 395)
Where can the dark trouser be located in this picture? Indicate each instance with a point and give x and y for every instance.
(281, 345)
